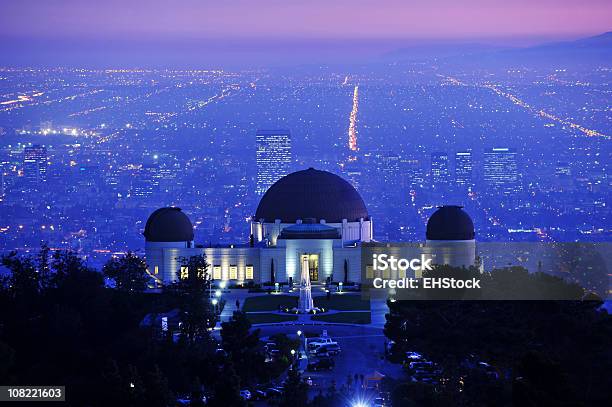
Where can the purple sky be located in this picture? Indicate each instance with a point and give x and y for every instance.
(167, 32)
(426, 19)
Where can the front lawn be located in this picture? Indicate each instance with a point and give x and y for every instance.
(343, 302)
(345, 317)
(270, 318)
(269, 302)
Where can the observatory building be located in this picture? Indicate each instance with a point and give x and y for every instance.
(308, 217)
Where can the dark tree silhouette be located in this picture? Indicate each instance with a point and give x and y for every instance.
(128, 272)
(570, 361)
(295, 393)
(197, 314)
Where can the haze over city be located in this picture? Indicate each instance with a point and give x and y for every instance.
(266, 33)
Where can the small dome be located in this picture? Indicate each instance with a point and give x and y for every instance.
(311, 194)
(450, 222)
(168, 225)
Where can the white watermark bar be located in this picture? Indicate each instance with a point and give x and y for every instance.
(466, 270)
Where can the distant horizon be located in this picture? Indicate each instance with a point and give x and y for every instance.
(234, 52)
(269, 32)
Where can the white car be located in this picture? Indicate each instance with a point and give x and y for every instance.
(414, 356)
(315, 342)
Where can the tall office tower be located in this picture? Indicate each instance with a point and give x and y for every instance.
(146, 182)
(563, 169)
(390, 168)
(501, 171)
(389, 178)
(412, 170)
(463, 168)
(273, 157)
(35, 164)
(440, 172)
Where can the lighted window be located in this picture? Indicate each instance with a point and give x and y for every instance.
(233, 273)
(217, 273)
(402, 273)
(249, 272)
(156, 270)
(184, 272)
(369, 271)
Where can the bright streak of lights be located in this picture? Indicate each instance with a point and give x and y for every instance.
(352, 132)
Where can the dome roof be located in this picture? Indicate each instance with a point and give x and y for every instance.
(310, 230)
(168, 225)
(450, 222)
(311, 194)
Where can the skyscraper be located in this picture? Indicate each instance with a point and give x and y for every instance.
(501, 170)
(463, 168)
(440, 172)
(412, 171)
(389, 168)
(273, 157)
(35, 164)
(146, 182)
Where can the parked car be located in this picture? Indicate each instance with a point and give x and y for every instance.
(323, 363)
(326, 340)
(332, 349)
(379, 402)
(488, 369)
(425, 377)
(423, 365)
(245, 394)
(414, 357)
(259, 395)
(273, 392)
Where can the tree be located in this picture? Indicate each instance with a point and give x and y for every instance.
(196, 311)
(296, 391)
(227, 388)
(24, 280)
(242, 344)
(569, 335)
(158, 393)
(128, 272)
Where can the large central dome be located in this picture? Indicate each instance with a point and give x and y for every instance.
(311, 194)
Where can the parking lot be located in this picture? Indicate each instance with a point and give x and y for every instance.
(362, 353)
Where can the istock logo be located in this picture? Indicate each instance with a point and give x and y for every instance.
(385, 262)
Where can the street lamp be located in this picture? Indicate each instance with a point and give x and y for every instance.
(223, 284)
(292, 352)
(299, 334)
(218, 293)
(214, 303)
(340, 286)
(276, 285)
